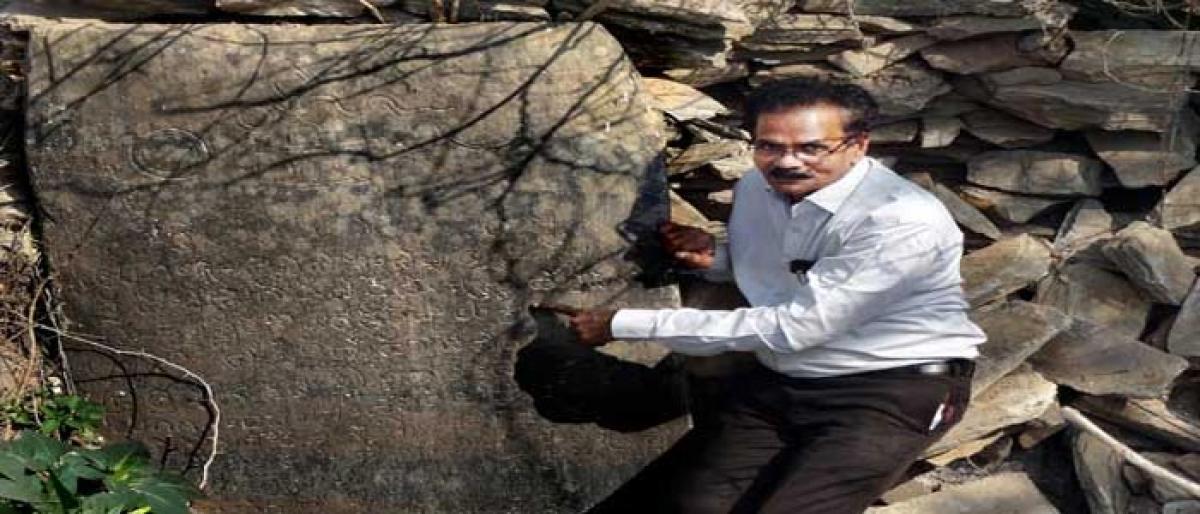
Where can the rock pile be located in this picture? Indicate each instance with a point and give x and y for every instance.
(1067, 153)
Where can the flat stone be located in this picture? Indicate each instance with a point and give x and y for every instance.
(1152, 259)
(707, 76)
(887, 25)
(908, 490)
(325, 8)
(939, 131)
(1003, 268)
(954, 28)
(139, 8)
(1143, 159)
(1010, 207)
(734, 166)
(1182, 507)
(684, 213)
(1179, 210)
(1093, 359)
(1085, 290)
(915, 7)
(1015, 330)
(1023, 75)
(966, 214)
(681, 101)
(1037, 172)
(806, 29)
(897, 132)
(343, 235)
(877, 57)
(900, 90)
(1184, 338)
(1074, 105)
(1098, 467)
(1146, 417)
(701, 154)
(1037, 430)
(990, 53)
(1004, 130)
(1014, 399)
(1085, 223)
(1004, 493)
(1142, 57)
(965, 450)
(672, 33)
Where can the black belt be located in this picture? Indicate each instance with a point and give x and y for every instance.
(949, 368)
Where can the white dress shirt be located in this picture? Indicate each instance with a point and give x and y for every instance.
(884, 289)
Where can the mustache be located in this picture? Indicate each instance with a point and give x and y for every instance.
(788, 174)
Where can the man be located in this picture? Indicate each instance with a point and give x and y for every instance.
(856, 317)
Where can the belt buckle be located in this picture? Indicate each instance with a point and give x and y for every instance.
(934, 368)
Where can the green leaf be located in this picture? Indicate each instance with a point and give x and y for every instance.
(26, 489)
(110, 502)
(36, 451)
(10, 465)
(165, 496)
(66, 500)
(50, 426)
(120, 458)
(8, 508)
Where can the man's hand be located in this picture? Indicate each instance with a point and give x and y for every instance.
(692, 247)
(593, 327)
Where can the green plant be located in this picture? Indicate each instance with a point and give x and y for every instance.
(61, 416)
(40, 474)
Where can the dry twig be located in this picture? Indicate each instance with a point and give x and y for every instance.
(1131, 456)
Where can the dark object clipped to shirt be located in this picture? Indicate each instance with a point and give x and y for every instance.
(571, 383)
(800, 266)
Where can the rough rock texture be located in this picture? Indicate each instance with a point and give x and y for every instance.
(1077, 105)
(1184, 338)
(1151, 258)
(1016, 398)
(1089, 358)
(1037, 172)
(1098, 467)
(916, 7)
(332, 8)
(964, 213)
(1143, 159)
(1128, 55)
(1009, 207)
(681, 101)
(1180, 207)
(1085, 223)
(1084, 290)
(1007, 266)
(1015, 330)
(1147, 417)
(985, 54)
(343, 234)
(1004, 130)
(1005, 493)
(872, 59)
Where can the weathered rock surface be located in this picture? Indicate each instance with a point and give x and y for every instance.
(1015, 330)
(964, 213)
(1014, 399)
(1146, 417)
(1128, 55)
(939, 131)
(681, 101)
(1184, 338)
(1036, 172)
(1074, 105)
(1005, 267)
(1180, 207)
(1004, 130)
(1152, 259)
(1082, 289)
(916, 7)
(897, 132)
(674, 33)
(1010, 207)
(1098, 467)
(877, 57)
(329, 8)
(343, 235)
(1004, 493)
(954, 28)
(990, 53)
(1086, 222)
(1143, 159)
(1090, 358)
(806, 30)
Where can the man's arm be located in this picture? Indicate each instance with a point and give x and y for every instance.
(843, 291)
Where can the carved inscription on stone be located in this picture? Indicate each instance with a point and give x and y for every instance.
(341, 228)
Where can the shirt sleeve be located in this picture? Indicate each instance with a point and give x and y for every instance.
(842, 291)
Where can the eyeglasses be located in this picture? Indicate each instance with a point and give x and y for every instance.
(807, 151)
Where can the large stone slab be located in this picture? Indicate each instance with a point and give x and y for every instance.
(1010, 207)
(1184, 338)
(341, 229)
(1147, 417)
(1142, 159)
(1098, 467)
(916, 7)
(1003, 130)
(1037, 172)
(1085, 290)
(1179, 210)
(1004, 493)
(1089, 358)
(1015, 330)
(1004, 267)
(1014, 399)
(990, 53)
(1151, 258)
(1132, 55)
(1075, 105)
(325, 8)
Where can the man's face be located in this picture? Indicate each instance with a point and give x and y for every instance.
(802, 149)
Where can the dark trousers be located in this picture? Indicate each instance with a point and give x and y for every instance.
(764, 442)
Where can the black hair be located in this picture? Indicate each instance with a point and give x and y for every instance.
(805, 92)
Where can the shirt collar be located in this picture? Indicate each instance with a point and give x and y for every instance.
(831, 197)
